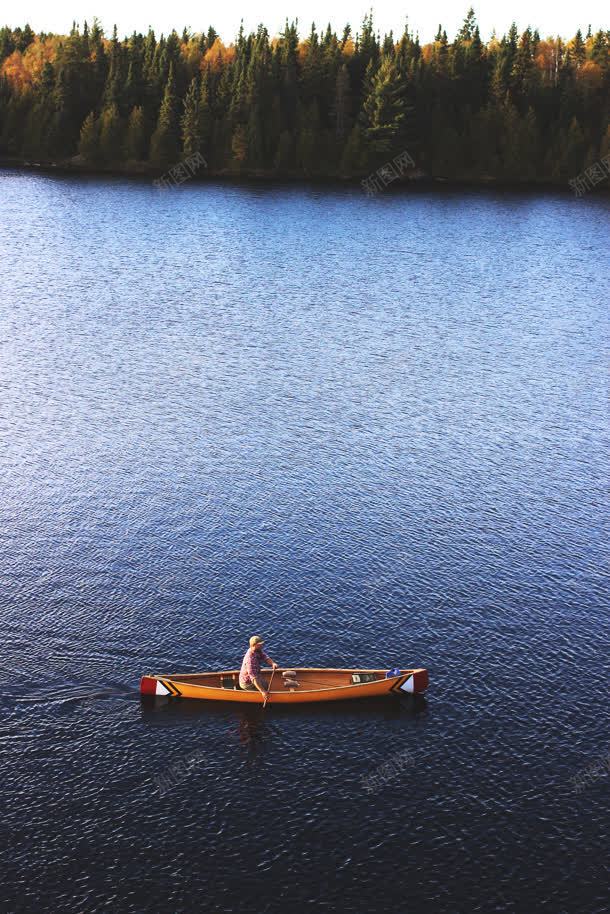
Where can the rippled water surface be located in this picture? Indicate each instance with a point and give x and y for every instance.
(373, 430)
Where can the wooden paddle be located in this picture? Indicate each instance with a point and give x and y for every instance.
(269, 689)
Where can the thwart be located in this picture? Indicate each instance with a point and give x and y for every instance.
(289, 686)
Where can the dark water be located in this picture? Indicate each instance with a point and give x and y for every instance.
(373, 430)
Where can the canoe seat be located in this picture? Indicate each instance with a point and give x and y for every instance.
(229, 682)
(363, 677)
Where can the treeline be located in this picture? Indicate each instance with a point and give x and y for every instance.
(517, 108)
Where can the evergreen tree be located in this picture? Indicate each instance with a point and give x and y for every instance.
(384, 108)
(354, 158)
(308, 143)
(191, 121)
(89, 143)
(165, 143)
(239, 145)
(342, 103)
(111, 135)
(205, 114)
(572, 161)
(469, 25)
(7, 43)
(256, 148)
(61, 125)
(524, 74)
(578, 50)
(135, 140)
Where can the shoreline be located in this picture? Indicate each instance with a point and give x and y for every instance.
(146, 172)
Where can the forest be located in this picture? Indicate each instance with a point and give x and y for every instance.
(517, 108)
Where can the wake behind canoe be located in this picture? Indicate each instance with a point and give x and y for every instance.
(289, 686)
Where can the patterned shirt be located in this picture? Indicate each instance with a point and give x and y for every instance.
(251, 666)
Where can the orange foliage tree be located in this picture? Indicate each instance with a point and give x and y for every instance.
(218, 56)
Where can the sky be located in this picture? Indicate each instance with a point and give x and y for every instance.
(548, 16)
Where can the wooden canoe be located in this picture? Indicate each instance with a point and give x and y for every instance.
(313, 685)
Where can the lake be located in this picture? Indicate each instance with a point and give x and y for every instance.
(373, 430)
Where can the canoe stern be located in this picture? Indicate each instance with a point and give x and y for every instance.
(421, 681)
(150, 685)
(411, 682)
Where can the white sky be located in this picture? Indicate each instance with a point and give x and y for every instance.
(549, 17)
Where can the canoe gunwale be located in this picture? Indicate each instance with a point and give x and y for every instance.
(181, 685)
(280, 669)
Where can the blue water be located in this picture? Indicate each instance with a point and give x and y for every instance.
(372, 430)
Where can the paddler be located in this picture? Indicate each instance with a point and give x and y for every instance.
(250, 673)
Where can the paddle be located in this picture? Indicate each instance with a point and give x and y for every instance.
(269, 689)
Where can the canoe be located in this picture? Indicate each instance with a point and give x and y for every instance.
(289, 686)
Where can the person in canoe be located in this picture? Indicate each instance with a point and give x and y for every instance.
(250, 673)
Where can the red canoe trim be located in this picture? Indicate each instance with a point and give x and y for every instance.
(421, 680)
(151, 686)
(148, 685)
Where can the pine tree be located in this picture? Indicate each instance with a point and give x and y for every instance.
(384, 108)
(165, 144)
(466, 33)
(572, 161)
(111, 135)
(135, 140)
(441, 52)
(342, 104)
(61, 127)
(354, 158)
(190, 121)
(579, 52)
(239, 145)
(524, 74)
(205, 114)
(89, 143)
(308, 141)
(529, 146)
(256, 150)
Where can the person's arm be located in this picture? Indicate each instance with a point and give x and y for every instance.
(271, 662)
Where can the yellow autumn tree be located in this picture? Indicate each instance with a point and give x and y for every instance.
(192, 56)
(591, 74)
(218, 56)
(427, 52)
(15, 72)
(37, 54)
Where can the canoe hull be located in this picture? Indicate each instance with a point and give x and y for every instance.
(194, 686)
